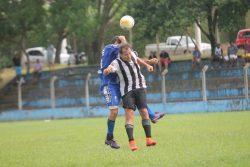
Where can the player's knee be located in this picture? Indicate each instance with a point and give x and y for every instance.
(113, 113)
(144, 113)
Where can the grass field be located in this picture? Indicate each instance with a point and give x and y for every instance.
(208, 139)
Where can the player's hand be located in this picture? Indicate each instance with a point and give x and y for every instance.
(150, 68)
(122, 39)
(154, 61)
(107, 71)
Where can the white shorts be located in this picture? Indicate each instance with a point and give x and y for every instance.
(233, 56)
(226, 58)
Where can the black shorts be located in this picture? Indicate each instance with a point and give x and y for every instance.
(135, 99)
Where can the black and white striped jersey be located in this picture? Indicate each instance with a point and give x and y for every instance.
(129, 74)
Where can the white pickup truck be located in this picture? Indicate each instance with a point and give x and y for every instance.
(177, 45)
(41, 54)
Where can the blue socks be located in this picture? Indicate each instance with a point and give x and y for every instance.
(150, 113)
(111, 125)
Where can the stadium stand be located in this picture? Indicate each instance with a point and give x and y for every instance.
(182, 84)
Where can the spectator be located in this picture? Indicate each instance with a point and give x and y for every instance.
(232, 53)
(72, 58)
(152, 55)
(247, 51)
(38, 68)
(17, 64)
(226, 60)
(218, 56)
(164, 60)
(196, 57)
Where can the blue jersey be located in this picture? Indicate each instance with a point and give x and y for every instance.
(109, 53)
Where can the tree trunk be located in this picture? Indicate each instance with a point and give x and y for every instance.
(23, 51)
(58, 50)
(75, 44)
(97, 45)
(61, 36)
(212, 23)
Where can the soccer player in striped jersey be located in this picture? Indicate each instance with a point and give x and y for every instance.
(133, 91)
(111, 90)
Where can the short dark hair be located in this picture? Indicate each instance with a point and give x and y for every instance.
(124, 45)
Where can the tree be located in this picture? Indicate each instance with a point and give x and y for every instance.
(15, 26)
(66, 18)
(100, 13)
(227, 14)
(170, 16)
(157, 17)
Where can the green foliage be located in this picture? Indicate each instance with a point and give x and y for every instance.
(29, 23)
(67, 16)
(187, 140)
(18, 17)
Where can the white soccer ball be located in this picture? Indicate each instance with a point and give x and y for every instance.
(127, 22)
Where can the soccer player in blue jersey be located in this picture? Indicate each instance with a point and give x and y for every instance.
(110, 88)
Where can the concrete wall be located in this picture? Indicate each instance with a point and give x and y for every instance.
(169, 108)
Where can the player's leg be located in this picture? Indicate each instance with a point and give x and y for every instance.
(129, 106)
(141, 104)
(111, 123)
(129, 125)
(154, 116)
(112, 98)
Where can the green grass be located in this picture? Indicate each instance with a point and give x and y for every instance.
(209, 139)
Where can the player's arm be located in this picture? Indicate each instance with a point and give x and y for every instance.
(108, 70)
(141, 62)
(112, 68)
(105, 60)
(151, 61)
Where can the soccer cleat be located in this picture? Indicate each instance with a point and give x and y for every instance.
(150, 142)
(132, 145)
(112, 143)
(158, 115)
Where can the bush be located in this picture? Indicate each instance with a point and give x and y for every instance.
(5, 62)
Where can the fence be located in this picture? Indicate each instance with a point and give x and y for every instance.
(170, 89)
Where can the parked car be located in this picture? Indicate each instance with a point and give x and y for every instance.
(242, 36)
(41, 54)
(178, 45)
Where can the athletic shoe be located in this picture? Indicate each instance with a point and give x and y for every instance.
(150, 142)
(112, 143)
(158, 115)
(132, 145)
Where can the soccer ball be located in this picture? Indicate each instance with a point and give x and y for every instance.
(127, 22)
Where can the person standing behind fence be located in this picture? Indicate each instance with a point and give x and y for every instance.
(17, 64)
(218, 55)
(232, 53)
(38, 68)
(196, 57)
(153, 56)
(164, 60)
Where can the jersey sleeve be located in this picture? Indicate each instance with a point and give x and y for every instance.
(105, 60)
(109, 54)
(135, 56)
(115, 66)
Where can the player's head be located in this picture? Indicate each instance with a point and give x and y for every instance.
(118, 40)
(125, 51)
